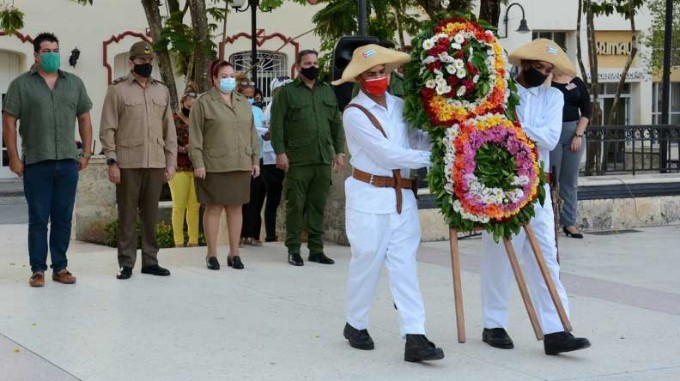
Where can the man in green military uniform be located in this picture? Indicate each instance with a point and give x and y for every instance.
(307, 136)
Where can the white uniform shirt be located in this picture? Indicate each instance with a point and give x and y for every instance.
(268, 154)
(540, 113)
(371, 152)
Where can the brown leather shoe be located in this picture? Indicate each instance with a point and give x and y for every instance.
(37, 279)
(63, 276)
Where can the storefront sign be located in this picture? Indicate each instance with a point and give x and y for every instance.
(609, 48)
(633, 75)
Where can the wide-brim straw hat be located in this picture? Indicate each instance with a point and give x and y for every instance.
(544, 50)
(368, 56)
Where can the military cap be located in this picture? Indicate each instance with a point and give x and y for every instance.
(141, 49)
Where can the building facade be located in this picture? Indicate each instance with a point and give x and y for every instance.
(104, 32)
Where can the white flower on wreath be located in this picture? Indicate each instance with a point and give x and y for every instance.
(520, 180)
(440, 81)
(458, 207)
(461, 73)
(452, 69)
(458, 38)
(441, 90)
(430, 84)
(475, 79)
(459, 64)
(429, 59)
(456, 46)
(428, 44)
(445, 58)
(461, 91)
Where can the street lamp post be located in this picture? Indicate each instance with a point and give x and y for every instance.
(523, 27)
(362, 19)
(253, 5)
(666, 84)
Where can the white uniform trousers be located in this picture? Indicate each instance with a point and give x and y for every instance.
(392, 239)
(498, 278)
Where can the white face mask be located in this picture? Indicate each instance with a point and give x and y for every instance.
(227, 85)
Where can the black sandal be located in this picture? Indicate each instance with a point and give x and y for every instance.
(212, 263)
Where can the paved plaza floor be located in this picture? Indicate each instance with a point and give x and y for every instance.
(273, 321)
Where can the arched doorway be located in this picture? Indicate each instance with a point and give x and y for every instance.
(9, 69)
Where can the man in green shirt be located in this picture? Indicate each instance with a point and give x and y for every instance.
(47, 102)
(307, 136)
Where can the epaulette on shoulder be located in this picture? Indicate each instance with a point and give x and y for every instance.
(119, 80)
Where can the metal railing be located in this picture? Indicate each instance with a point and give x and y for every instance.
(632, 149)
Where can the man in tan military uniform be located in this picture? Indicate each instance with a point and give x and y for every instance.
(138, 137)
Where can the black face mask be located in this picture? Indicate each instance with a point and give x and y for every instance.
(533, 77)
(310, 72)
(143, 70)
(186, 111)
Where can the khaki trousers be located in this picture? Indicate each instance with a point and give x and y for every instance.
(138, 193)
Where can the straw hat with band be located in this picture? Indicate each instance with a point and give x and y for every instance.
(544, 50)
(368, 56)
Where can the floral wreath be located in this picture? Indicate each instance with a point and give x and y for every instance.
(485, 171)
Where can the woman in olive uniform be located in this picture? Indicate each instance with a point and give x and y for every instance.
(224, 150)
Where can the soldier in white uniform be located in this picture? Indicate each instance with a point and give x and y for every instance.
(540, 112)
(381, 211)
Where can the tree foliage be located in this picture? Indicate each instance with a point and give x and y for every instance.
(654, 39)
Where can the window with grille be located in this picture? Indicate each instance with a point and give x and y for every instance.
(270, 65)
(560, 38)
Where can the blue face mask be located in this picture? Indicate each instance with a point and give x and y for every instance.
(227, 85)
(251, 100)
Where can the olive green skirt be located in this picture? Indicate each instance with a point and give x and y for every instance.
(224, 188)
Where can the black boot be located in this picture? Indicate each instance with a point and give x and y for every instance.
(359, 339)
(418, 348)
(558, 342)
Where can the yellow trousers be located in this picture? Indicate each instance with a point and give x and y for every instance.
(184, 202)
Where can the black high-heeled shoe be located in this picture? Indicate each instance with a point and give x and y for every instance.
(235, 262)
(212, 263)
(570, 234)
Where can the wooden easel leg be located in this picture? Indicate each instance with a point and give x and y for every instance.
(457, 288)
(523, 288)
(547, 278)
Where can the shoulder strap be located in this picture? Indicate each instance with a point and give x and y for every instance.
(396, 174)
(370, 116)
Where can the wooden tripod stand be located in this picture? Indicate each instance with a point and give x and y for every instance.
(458, 292)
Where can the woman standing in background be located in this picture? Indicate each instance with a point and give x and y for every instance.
(182, 188)
(566, 157)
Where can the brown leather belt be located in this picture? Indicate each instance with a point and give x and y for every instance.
(380, 181)
(550, 179)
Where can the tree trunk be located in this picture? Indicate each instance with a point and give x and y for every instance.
(153, 17)
(490, 11)
(594, 149)
(634, 40)
(397, 19)
(201, 60)
(431, 7)
(173, 6)
(579, 48)
(459, 5)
